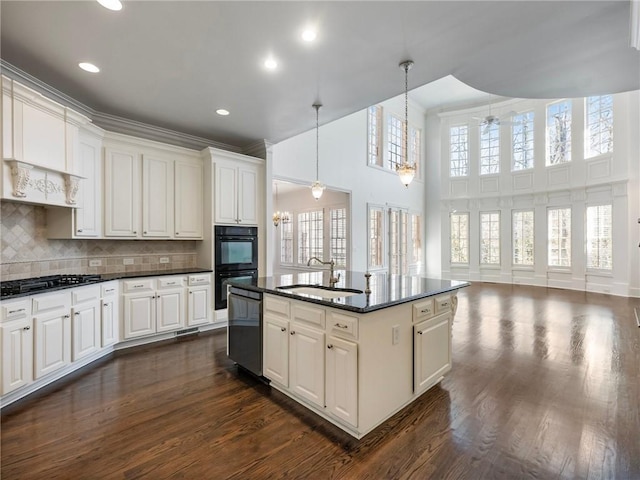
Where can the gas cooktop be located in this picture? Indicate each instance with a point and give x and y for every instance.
(39, 284)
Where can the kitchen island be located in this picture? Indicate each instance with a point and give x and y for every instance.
(352, 357)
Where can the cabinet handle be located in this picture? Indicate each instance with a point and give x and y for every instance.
(135, 233)
(144, 233)
(138, 286)
(282, 329)
(293, 332)
(105, 305)
(444, 304)
(16, 311)
(26, 328)
(190, 292)
(177, 233)
(420, 332)
(109, 290)
(77, 313)
(425, 310)
(79, 230)
(339, 325)
(67, 316)
(329, 347)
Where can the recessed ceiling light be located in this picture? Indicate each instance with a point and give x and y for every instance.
(88, 67)
(111, 4)
(270, 63)
(222, 111)
(309, 35)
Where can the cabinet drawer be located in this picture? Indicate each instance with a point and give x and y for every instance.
(277, 306)
(342, 325)
(51, 301)
(423, 310)
(16, 310)
(313, 316)
(85, 294)
(109, 289)
(170, 282)
(443, 303)
(141, 285)
(199, 279)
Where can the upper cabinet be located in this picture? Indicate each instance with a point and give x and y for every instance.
(236, 193)
(188, 195)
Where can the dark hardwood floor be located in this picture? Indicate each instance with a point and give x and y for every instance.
(545, 385)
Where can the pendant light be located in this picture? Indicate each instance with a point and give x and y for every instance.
(316, 187)
(407, 170)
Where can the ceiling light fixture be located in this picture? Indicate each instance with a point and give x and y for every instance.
(309, 35)
(407, 170)
(316, 187)
(88, 67)
(223, 112)
(111, 4)
(270, 63)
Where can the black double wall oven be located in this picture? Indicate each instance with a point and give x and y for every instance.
(236, 258)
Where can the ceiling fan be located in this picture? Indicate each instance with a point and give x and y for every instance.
(491, 120)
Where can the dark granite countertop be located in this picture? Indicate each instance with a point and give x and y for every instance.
(386, 290)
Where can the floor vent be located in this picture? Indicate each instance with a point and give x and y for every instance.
(187, 331)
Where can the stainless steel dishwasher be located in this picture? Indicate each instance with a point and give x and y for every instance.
(244, 331)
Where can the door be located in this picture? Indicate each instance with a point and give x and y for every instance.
(226, 194)
(109, 322)
(139, 315)
(122, 193)
(247, 196)
(199, 306)
(52, 343)
(432, 351)
(276, 350)
(88, 217)
(188, 200)
(170, 310)
(86, 330)
(157, 197)
(342, 380)
(17, 354)
(306, 363)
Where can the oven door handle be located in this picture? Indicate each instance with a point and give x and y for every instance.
(236, 274)
(251, 239)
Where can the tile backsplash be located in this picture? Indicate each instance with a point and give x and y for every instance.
(26, 251)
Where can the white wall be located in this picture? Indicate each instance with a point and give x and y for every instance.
(343, 166)
(610, 178)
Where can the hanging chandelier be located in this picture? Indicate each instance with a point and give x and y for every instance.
(279, 216)
(407, 170)
(316, 187)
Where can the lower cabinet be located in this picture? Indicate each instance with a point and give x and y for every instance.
(109, 314)
(86, 321)
(276, 349)
(432, 351)
(139, 314)
(52, 332)
(306, 363)
(16, 333)
(342, 380)
(199, 305)
(169, 310)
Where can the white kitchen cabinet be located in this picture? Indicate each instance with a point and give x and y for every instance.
(52, 332)
(188, 199)
(276, 349)
(122, 193)
(169, 310)
(109, 314)
(342, 380)
(139, 314)
(157, 196)
(307, 363)
(236, 194)
(199, 305)
(432, 351)
(16, 334)
(86, 321)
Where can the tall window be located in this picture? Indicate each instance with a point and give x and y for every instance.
(599, 125)
(395, 149)
(490, 238)
(489, 149)
(522, 141)
(416, 241)
(415, 147)
(286, 242)
(374, 134)
(523, 237)
(599, 237)
(460, 238)
(398, 241)
(559, 133)
(338, 236)
(376, 237)
(559, 237)
(310, 236)
(459, 150)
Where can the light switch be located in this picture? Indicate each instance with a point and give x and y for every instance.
(395, 334)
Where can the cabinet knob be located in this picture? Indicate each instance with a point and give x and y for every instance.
(135, 233)
(79, 230)
(177, 233)
(419, 332)
(67, 316)
(77, 313)
(26, 328)
(105, 305)
(144, 233)
(282, 329)
(190, 292)
(293, 332)
(329, 347)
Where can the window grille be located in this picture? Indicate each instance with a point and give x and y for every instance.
(490, 238)
(522, 141)
(459, 151)
(559, 133)
(599, 125)
(460, 238)
(523, 237)
(559, 237)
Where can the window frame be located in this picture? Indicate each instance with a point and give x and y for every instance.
(569, 143)
(481, 239)
(514, 264)
(598, 269)
(378, 140)
(570, 239)
(493, 128)
(588, 154)
(311, 253)
(382, 237)
(468, 231)
(532, 140)
(465, 168)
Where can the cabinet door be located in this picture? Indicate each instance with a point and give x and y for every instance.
(226, 194)
(109, 322)
(432, 351)
(86, 330)
(248, 196)
(306, 364)
(52, 343)
(88, 217)
(157, 197)
(276, 350)
(17, 354)
(342, 380)
(170, 310)
(199, 306)
(139, 315)
(122, 193)
(188, 199)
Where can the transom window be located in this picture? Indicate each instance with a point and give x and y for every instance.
(460, 238)
(374, 134)
(523, 237)
(559, 133)
(599, 237)
(489, 149)
(522, 141)
(310, 235)
(338, 236)
(599, 125)
(490, 238)
(559, 237)
(459, 150)
(395, 144)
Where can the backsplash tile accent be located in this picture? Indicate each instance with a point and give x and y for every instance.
(27, 252)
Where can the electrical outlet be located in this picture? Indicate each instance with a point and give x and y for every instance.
(127, 261)
(95, 263)
(164, 259)
(395, 334)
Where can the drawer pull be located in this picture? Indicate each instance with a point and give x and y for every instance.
(329, 346)
(425, 310)
(67, 316)
(420, 332)
(171, 283)
(16, 311)
(26, 328)
(339, 325)
(138, 286)
(444, 304)
(292, 332)
(77, 313)
(282, 329)
(110, 290)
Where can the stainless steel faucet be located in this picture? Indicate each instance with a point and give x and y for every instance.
(332, 278)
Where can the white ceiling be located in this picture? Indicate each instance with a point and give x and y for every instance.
(173, 63)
